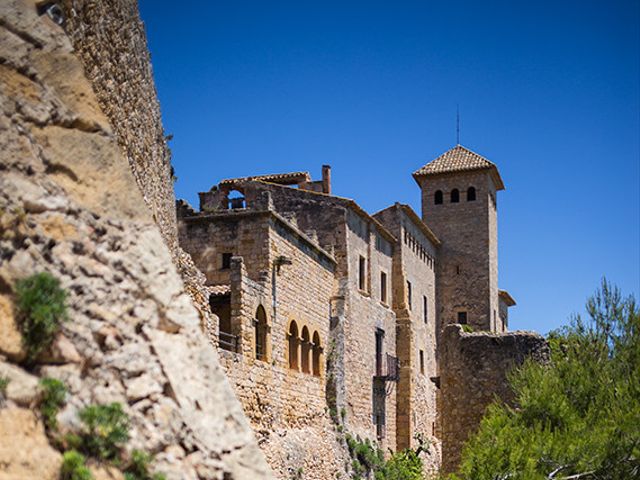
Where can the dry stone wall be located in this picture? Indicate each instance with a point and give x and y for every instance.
(474, 369)
(70, 206)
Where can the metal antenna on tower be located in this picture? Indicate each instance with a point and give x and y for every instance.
(457, 124)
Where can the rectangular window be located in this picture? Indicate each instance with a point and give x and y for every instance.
(226, 260)
(409, 294)
(422, 362)
(462, 318)
(361, 273)
(383, 287)
(424, 308)
(379, 345)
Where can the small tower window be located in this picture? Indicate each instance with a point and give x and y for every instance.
(422, 362)
(437, 198)
(471, 194)
(305, 350)
(455, 195)
(226, 260)
(424, 308)
(362, 273)
(409, 294)
(462, 318)
(383, 287)
(261, 331)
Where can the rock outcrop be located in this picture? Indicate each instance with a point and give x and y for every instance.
(70, 206)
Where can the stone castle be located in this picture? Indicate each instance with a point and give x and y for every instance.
(245, 340)
(328, 314)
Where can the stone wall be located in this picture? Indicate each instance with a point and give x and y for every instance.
(473, 371)
(414, 261)
(287, 407)
(110, 40)
(71, 207)
(467, 270)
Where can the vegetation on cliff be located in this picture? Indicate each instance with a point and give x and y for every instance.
(577, 417)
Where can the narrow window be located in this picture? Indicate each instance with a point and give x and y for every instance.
(221, 306)
(462, 318)
(293, 346)
(317, 351)
(261, 330)
(455, 195)
(424, 308)
(361, 273)
(379, 344)
(437, 198)
(226, 260)
(383, 287)
(422, 362)
(305, 350)
(457, 269)
(471, 194)
(409, 294)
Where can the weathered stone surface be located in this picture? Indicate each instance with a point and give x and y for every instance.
(474, 374)
(25, 452)
(10, 339)
(23, 387)
(72, 207)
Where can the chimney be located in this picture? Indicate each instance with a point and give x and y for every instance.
(326, 179)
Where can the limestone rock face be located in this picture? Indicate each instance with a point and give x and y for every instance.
(70, 206)
(25, 452)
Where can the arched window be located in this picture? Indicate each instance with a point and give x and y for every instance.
(471, 194)
(317, 352)
(293, 346)
(261, 331)
(236, 199)
(437, 198)
(306, 349)
(455, 195)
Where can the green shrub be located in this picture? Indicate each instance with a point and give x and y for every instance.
(404, 465)
(106, 430)
(139, 467)
(579, 415)
(41, 307)
(73, 467)
(467, 328)
(53, 396)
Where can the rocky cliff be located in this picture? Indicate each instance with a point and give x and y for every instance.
(71, 205)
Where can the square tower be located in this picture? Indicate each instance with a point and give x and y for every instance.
(459, 204)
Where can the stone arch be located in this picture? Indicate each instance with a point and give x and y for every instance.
(261, 329)
(294, 341)
(317, 354)
(471, 194)
(305, 349)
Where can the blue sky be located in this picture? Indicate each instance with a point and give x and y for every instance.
(550, 91)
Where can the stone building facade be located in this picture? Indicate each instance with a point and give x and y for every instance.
(354, 307)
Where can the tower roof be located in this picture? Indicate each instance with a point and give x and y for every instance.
(459, 159)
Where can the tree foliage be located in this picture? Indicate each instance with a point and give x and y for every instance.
(577, 417)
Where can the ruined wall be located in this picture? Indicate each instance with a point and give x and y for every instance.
(414, 261)
(467, 271)
(473, 372)
(110, 40)
(71, 207)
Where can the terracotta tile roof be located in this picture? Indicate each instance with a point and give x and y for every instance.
(459, 159)
(219, 290)
(281, 178)
(508, 299)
